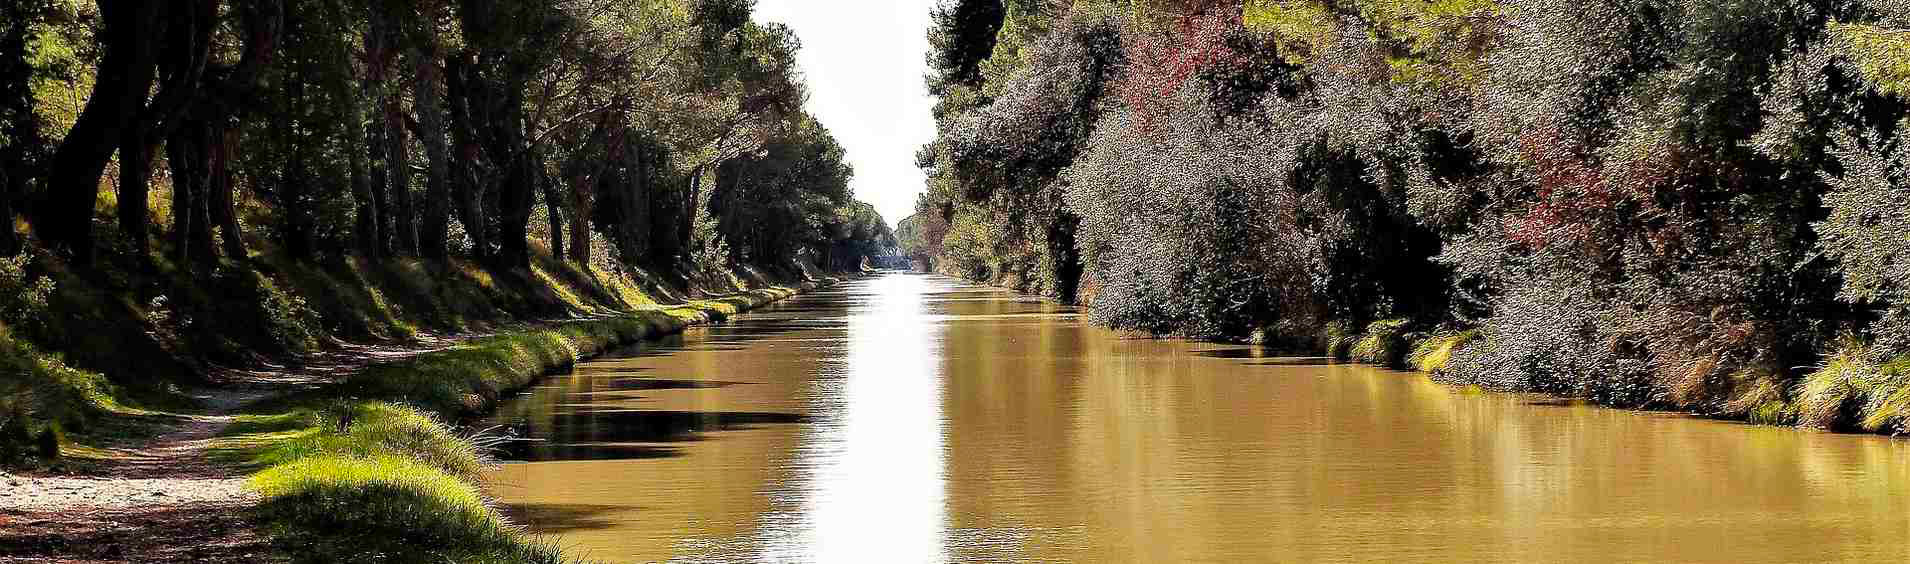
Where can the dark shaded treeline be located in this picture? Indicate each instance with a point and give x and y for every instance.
(1670, 203)
(198, 183)
(414, 129)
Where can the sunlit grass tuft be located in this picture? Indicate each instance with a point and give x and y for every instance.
(1384, 343)
(1432, 353)
(1851, 390)
(1758, 396)
(1339, 338)
(363, 429)
(385, 508)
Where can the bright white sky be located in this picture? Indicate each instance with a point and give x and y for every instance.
(864, 61)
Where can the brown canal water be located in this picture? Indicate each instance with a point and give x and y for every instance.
(912, 418)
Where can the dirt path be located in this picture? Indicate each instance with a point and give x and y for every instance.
(165, 499)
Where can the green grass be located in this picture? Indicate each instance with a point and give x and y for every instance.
(1758, 396)
(1431, 354)
(1339, 338)
(362, 430)
(1383, 343)
(1850, 390)
(470, 378)
(337, 508)
(42, 399)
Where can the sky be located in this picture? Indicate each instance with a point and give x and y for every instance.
(864, 62)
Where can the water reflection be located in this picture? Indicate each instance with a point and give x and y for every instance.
(870, 472)
(912, 418)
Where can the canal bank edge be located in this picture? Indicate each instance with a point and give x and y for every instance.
(1393, 344)
(371, 465)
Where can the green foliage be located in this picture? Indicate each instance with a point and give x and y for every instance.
(335, 508)
(1881, 54)
(23, 296)
(961, 36)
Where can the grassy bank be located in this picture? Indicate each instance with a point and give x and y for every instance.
(43, 400)
(369, 467)
(1858, 388)
(99, 361)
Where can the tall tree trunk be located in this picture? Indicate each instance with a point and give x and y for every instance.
(295, 209)
(365, 227)
(515, 194)
(467, 190)
(186, 156)
(554, 208)
(374, 150)
(220, 199)
(64, 217)
(404, 217)
(580, 204)
(378, 129)
(135, 179)
(183, 54)
(10, 182)
(692, 206)
(436, 219)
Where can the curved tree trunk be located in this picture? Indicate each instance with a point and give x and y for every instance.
(64, 217)
(182, 55)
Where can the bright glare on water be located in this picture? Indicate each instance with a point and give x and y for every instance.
(911, 418)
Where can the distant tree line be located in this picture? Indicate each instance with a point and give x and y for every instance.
(670, 132)
(1679, 203)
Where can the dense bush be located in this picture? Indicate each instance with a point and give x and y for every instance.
(1675, 203)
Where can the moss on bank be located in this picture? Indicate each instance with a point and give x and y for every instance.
(42, 400)
(368, 468)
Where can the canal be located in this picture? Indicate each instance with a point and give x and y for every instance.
(915, 418)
